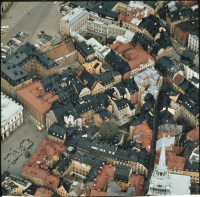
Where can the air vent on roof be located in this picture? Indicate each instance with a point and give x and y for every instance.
(15, 72)
(21, 72)
(8, 67)
(14, 66)
(17, 56)
(4, 62)
(15, 53)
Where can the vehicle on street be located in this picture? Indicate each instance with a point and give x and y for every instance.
(182, 48)
(43, 41)
(16, 44)
(55, 2)
(7, 47)
(37, 46)
(39, 128)
(175, 41)
(26, 36)
(12, 47)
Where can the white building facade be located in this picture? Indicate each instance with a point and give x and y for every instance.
(11, 116)
(193, 40)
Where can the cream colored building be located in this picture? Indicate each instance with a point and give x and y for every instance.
(75, 20)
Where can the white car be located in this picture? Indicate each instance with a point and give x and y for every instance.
(41, 43)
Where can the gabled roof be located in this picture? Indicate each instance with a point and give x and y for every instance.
(122, 173)
(62, 50)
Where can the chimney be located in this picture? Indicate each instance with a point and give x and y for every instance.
(99, 173)
(95, 181)
(103, 165)
(101, 169)
(110, 166)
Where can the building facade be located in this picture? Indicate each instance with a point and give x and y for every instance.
(11, 116)
(193, 40)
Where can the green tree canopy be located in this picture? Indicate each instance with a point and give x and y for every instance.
(108, 130)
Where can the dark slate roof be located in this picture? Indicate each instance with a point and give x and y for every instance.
(151, 24)
(121, 103)
(122, 173)
(79, 86)
(164, 41)
(57, 130)
(31, 189)
(195, 32)
(151, 3)
(191, 65)
(88, 104)
(188, 25)
(84, 49)
(106, 78)
(164, 100)
(24, 52)
(102, 99)
(191, 165)
(121, 88)
(84, 4)
(117, 62)
(131, 85)
(184, 85)
(104, 114)
(104, 9)
(13, 73)
(163, 12)
(165, 117)
(102, 148)
(193, 93)
(107, 68)
(122, 154)
(190, 104)
(164, 65)
(185, 13)
(188, 54)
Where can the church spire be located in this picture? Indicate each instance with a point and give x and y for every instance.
(162, 166)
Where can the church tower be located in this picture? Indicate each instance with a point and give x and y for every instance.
(160, 179)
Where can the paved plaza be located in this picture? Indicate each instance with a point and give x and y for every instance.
(12, 145)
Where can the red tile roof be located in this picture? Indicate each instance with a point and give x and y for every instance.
(33, 94)
(146, 135)
(125, 19)
(43, 192)
(175, 162)
(61, 50)
(49, 149)
(137, 181)
(97, 193)
(137, 56)
(120, 47)
(105, 172)
(178, 79)
(194, 134)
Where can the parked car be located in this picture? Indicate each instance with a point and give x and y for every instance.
(26, 36)
(43, 41)
(175, 41)
(12, 47)
(7, 47)
(182, 48)
(16, 43)
(18, 32)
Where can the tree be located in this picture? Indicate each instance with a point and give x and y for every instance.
(108, 130)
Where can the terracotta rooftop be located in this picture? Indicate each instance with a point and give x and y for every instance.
(137, 56)
(97, 193)
(43, 192)
(178, 79)
(49, 149)
(120, 47)
(175, 162)
(125, 19)
(146, 135)
(105, 172)
(34, 95)
(61, 50)
(186, 2)
(136, 181)
(194, 134)
(178, 150)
